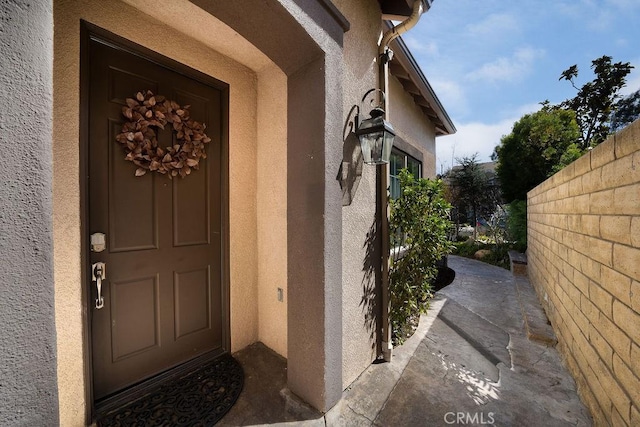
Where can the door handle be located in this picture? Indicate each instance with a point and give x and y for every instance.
(98, 274)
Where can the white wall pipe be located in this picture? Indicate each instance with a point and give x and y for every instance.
(404, 26)
(382, 172)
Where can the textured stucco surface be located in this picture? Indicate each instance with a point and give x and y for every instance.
(311, 59)
(314, 159)
(288, 109)
(272, 208)
(124, 20)
(412, 126)
(28, 388)
(360, 257)
(359, 262)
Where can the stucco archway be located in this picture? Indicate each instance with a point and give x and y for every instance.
(314, 215)
(309, 133)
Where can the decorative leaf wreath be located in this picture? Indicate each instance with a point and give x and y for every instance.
(145, 114)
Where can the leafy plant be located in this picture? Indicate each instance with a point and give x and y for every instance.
(546, 141)
(628, 110)
(472, 189)
(596, 100)
(497, 225)
(517, 223)
(418, 229)
(537, 144)
(498, 253)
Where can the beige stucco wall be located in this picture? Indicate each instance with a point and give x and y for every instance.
(361, 74)
(411, 124)
(257, 164)
(584, 261)
(272, 209)
(358, 333)
(246, 103)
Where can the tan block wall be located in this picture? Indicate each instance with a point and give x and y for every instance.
(584, 261)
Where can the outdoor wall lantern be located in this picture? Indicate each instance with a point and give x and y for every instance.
(376, 135)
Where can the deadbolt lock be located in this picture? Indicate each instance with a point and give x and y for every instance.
(98, 242)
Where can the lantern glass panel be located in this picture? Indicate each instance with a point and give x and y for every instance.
(376, 139)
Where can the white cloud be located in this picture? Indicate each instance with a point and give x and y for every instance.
(517, 113)
(476, 137)
(595, 15)
(622, 42)
(496, 23)
(510, 69)
(416, 46)
(627, 5)
(471, 138)
(577, 9)
(602, 20)
(633, 79)
(451, 95)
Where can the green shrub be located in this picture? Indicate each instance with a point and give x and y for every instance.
(517, 223)
(467, 249)
(418, 229)
(499, 256)
(499, 252)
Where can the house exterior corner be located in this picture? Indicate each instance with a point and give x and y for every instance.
(296, 266)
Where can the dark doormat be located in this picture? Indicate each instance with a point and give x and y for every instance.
(200, 398)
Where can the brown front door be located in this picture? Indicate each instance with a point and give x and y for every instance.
(163, 295)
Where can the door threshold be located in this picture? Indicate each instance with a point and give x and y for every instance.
(136, 391)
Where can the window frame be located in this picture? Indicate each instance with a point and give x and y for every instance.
(406, 158)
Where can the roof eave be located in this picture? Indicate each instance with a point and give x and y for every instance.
(399, 10)
(416, 84)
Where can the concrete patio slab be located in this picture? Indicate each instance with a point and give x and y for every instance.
(469, 363)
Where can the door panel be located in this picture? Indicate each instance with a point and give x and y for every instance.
(122, 83)
(192, 297)
(135, 310)
(132, 203)
(191, 217)
(163, 299)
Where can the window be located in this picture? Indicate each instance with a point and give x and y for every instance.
(397, 162)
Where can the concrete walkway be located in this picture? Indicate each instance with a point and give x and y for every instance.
(469, 363)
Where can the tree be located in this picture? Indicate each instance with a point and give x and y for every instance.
(538, 146)
(596, 100)
(627, 111)
(472, 189)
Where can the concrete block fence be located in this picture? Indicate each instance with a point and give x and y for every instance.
(584, 262)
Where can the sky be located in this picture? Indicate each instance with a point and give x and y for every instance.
(492, 61)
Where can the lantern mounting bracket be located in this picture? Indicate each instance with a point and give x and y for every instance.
(375, 133)
(376, 105)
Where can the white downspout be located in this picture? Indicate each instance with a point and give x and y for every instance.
(385, 55)
(404, 26)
